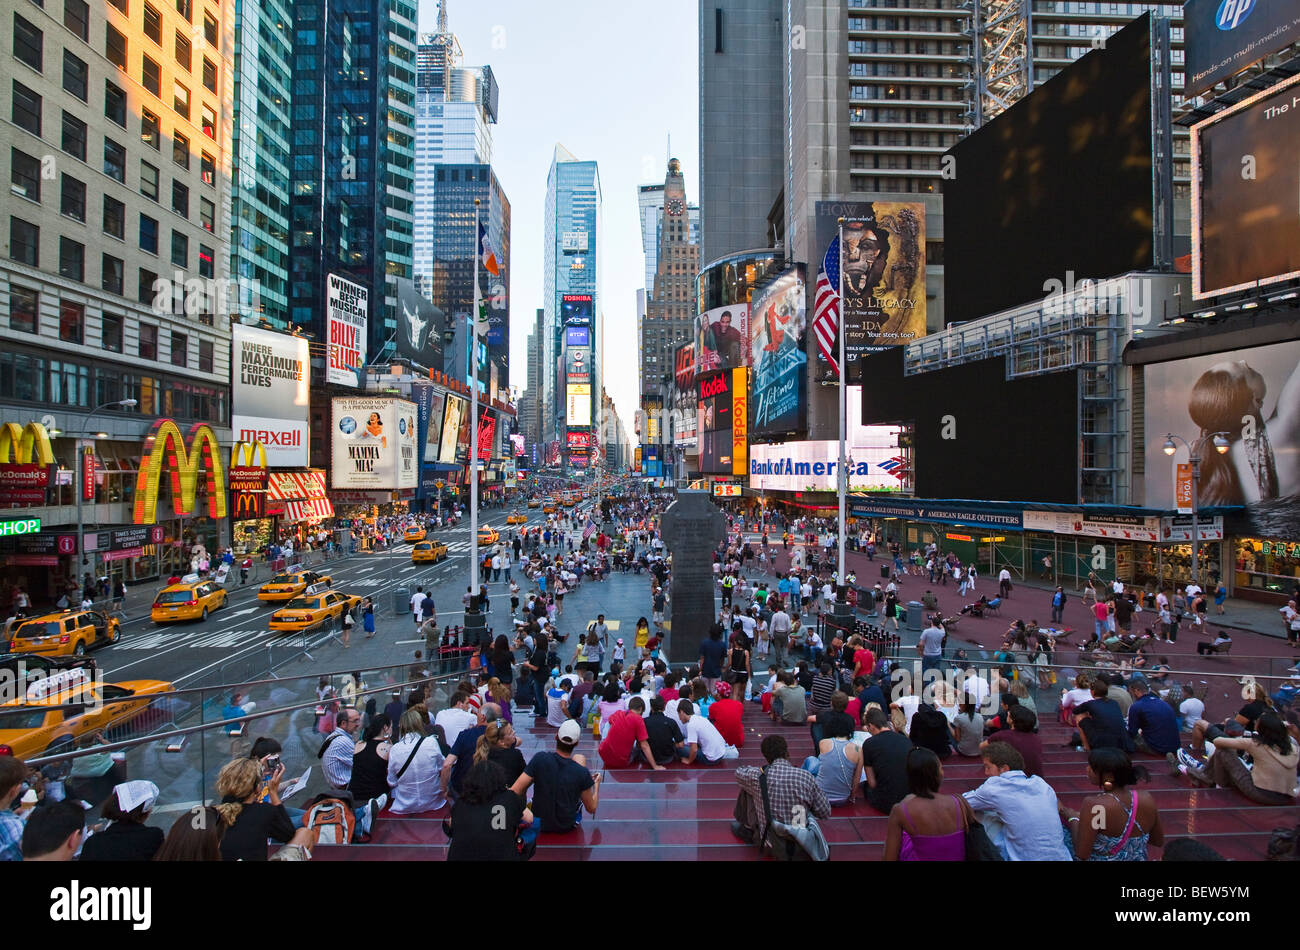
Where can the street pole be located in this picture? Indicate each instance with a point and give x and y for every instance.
(1196, 533)
(80, 477)
(473, 437)
(843, 396)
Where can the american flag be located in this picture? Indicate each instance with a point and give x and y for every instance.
(894, 466)
(589, 529)
(826, 310)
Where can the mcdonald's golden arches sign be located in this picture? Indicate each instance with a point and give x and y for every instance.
(26, 461)
(182, 456)
(248, 480)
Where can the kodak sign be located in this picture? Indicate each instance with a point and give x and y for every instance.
(166, 448)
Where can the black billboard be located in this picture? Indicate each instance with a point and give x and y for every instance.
(1223, 37)
(419, 327)
(1245, 183)
(977, 434)
(714, 393)
(1061, 182)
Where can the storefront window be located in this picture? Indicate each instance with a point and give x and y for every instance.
(1271, 565)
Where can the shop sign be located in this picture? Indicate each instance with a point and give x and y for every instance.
(938, 512)
(88, 475)
(1280, 548)
(47, 544)
(1178, 529)
(727, 491)
(26, 462)
(1114, 527)
(1184, 487)
(22, 526)
(248, 481)
(959, 537)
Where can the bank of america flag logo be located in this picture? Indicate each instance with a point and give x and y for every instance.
(894, 466)
(826, 310)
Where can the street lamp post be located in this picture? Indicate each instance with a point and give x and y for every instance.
(1221, 445)
(80, 477)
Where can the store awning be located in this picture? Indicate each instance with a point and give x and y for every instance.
(290, 486)
(313, 509)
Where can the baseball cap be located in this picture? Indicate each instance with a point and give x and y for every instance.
(569, 733)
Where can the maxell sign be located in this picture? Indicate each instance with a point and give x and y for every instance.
(270, 382)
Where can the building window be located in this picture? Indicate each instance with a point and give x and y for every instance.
(180, 150)
(72, 198)
(76, 17)
(207, 261)
(184, 51)
(186, 9)
(114, 104)
(180, 250)
(114, 160)
(180, 343)
(115, 47)
(24, 242)
(151, 76)
(29, 43)
(148, 181)
(153, 24)
(114, 217)
(205, 356)
(150, 131)
(110, 332)
(114, 273)
(72, 317)
(72, 260)
(148, 234)
(210, 29)
(23, 309)
(207, 214)
(145, 286)
(209, 75)
(121, 5)
(27, 109)
(209, 121)
(181, 100)
(180, 199)
(24, 175)
(75, 76)
(74, 136)
(148, 342)
(208, 169)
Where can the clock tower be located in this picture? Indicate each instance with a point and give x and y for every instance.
(670, 310)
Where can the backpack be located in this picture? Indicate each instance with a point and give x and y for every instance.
(331, 818)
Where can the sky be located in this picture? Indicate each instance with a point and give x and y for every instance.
(611, 82)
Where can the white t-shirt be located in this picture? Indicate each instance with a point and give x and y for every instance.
(1192, 709)
(454, 721)
(977, 687)
(1004, 575)
(417, 602)
(699, 730)
(748, 625)
(909, 705)
(805, 590)
(931, 641)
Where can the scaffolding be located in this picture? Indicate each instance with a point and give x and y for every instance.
(1002, 48)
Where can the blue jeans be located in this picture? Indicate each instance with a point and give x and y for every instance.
(931, 663)
(528, 833)
(1102, 628)
(811, 764)
(1057, 614)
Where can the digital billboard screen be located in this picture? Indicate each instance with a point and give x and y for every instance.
(1245, 179)
(1223, 37)
(577, 368)
(777, 329)
(685, 402)
(579, 405)
(722, 338)
(576, 308)
(715, 399)
(1078, 150)
(577, 336)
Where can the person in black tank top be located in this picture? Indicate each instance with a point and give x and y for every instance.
(739, 666)
(370, 762)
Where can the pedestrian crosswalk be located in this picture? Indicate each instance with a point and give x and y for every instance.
(197, 639)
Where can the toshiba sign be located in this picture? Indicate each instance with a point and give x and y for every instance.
(269, 393)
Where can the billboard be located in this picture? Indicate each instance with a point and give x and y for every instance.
(715, 398)
(431, 402)
(347, 316)
(374, 443)
(777, 327)
(269, 393)
(577, 336)
(685, 402)
(573, 242)
(456, 409)
(722, 338)
(576, 308)
(1245, 224)
(577, 364)
(579, 407)
(1223, 37)
(1078, 150)
(1253, 397)
(739, 420)
(579, 440)
(419, 327)
(183, 457)
(813, 465)
(883, 273)
(487, 430)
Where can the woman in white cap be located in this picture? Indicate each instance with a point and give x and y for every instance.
(127, 837)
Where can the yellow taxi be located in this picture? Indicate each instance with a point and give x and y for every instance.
(569, 501)
(534, 503)
(70, 633)
(516, 517)
(428, 552)
(311, 609)
(284, 587)
(60, 709)
(413, 534)
(187, 601)
(488, 535)
(549, 507)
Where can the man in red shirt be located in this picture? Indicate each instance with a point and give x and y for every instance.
(726, 713)
(626, 740)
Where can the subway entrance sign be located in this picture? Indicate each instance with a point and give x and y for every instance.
(22, 526)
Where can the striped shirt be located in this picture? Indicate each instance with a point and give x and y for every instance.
(822, 689)
(336, 763)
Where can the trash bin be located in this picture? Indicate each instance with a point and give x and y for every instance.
(867, 600)
(884, 572)
(914, 615)
(401, 600)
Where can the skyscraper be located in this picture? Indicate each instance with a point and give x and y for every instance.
(260, 135)
(571, 298)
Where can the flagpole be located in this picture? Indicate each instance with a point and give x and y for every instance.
(843, 483)
(473, 402)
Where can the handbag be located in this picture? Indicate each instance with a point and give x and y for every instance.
(979, 846)
(789, 842)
